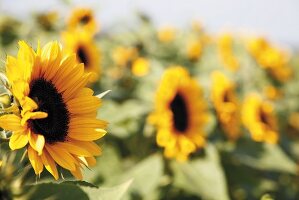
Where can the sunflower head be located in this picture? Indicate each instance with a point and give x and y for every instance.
(271, 58)
(226, 52)
(57, 117)
(82, 44)
(122, 56)
(226, 104)
(140, 66)
(180, 114)
(194, 49)
(259, 118)
(83, 18)
(166, 34)
(48, 20)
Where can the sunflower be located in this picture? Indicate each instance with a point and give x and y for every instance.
(82, 44)
(259, 118)
(226, 104)
(83, 18)
(122, 56)
(225, 48)
(140, 67)
(57, 119)
(271, 58)
(166, 34)
(194, 49)
(180, 114)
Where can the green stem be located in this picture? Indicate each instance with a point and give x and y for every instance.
(4, 140)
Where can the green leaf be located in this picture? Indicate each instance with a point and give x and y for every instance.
(56, 191)
(270, 158)
(146, 175)
(80, 190)
(125, 118)
(203, 177)
(114, 193)
(80, 183)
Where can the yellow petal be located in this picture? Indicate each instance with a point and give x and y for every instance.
(91, 161)
(85, 92)
(28, 105)
(11, 122)
(35, 161)
(33, 115)
(25, 52)
(86, 134)
(37, 142)
(61, 157)
(91, 103)
(77, 173)
(74, 149)
(18, 140)
(71, 92)
(91, 147)
(49, 164)
(82, 122)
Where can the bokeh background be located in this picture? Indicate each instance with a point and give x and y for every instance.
(231, 49)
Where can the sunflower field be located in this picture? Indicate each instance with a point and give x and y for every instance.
(141, 112)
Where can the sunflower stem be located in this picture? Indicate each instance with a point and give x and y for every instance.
(4, 140)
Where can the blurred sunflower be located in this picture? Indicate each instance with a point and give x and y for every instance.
(194, 49)
(123, 55)
(82, 44)
(166, 34)
(274, 60)
(259, 118)
(57, 119)
(140, 66)
(272, 92)
(225, 48)
(83, 18)
(226, 104)
(47, 21)
(180, 114)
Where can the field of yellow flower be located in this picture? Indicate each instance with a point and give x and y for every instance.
(145, 112)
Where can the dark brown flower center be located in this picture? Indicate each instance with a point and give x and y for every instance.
(85, 19)
(82, 56)
(263, 117)
(54, 127)
(180, 113)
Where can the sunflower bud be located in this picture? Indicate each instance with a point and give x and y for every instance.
(5, 100)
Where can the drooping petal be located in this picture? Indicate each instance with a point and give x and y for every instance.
(35, 161)
(18, 140)
(37, 142)
(49, 164)
(61, 157)
(74, 148)
(77, 173)
(91, 147)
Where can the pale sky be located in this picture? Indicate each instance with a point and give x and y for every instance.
(273, 18)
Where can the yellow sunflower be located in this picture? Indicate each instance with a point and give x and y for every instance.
(271, 58)
(180, 114)
(82, 44)
(166, 34)
(194, 49)
(259, 118)
(57, 119)
(226, 104)
(83, 18)
(140, 67)
(123, 55)
(225, 48)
